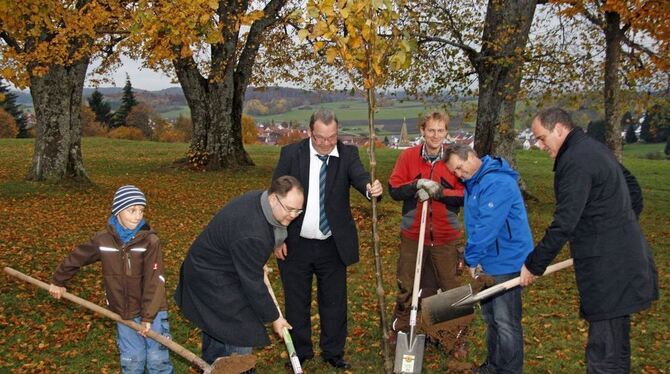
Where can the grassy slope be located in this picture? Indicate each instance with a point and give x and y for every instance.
(40, 223)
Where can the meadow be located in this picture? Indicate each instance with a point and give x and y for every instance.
(40, 224)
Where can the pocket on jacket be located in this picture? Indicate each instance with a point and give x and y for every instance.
(586, 246)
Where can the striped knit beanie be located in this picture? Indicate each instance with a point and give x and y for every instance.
(127, 196)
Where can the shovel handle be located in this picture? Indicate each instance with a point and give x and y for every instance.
(185, 353)
(292, 355)
(516, 281)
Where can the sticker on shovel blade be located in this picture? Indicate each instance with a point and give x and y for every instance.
(407, 363)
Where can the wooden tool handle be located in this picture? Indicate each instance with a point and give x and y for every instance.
(185, 353)
(516, 281)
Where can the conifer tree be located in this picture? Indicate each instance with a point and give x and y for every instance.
(100, 107)
(8, 103)
(128, 101)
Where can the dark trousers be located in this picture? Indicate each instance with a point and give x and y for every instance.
(504, 333)
(608, 348)
(213, 349)
(308, 258)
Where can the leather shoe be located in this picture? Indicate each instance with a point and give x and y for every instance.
(337, 362)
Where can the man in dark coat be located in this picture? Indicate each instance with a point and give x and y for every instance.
(221, 288)
(614, 267)
(323, 241)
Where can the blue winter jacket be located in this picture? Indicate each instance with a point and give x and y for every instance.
(499, 237)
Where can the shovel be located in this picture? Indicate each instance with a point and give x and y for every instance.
(292, 355)
(460, 301)
(222, 365)
(409, 350)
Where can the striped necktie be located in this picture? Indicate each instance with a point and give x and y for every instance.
(324, 227)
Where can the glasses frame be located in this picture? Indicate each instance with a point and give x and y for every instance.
(297, 212)
(321, 140)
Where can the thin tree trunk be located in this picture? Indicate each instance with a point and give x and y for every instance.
(57, 100)
(505, 35)
(613, 37)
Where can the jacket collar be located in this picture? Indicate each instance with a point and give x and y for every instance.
(575, 136)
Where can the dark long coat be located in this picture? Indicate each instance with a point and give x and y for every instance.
(614, 267)
(221, 288)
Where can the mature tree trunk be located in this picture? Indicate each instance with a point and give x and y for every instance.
(505, 35)
(57, 100)
(216, 102)
(216, 142)
(613, 38)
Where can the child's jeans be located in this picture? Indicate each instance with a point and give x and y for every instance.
(137, 351)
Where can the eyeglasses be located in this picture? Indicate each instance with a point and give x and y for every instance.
(297, 212)
(320, 139)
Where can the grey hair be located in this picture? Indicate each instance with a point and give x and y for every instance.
(325, 116)
(460, 150)
(549, 117)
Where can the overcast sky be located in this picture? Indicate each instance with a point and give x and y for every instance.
(144, 79)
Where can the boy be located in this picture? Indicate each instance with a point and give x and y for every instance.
(132, 268)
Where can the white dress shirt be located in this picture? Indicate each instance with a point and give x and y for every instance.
(310, 224)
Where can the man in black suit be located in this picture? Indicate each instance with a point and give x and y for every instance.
(323, 241)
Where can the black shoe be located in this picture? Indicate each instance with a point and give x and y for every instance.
(482, 369)
(301, 359)
(337, 362)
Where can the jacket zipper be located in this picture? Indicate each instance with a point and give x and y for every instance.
(509, 229)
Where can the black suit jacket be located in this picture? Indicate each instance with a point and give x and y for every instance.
(343, 172)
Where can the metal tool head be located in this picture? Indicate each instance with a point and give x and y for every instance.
(448, 305)
(409, 354)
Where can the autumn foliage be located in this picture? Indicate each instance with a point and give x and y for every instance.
(125, 132)
(8, 127)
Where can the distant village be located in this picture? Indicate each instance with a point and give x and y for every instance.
(279, 133)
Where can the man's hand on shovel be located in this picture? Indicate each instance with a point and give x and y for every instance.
(278, 327)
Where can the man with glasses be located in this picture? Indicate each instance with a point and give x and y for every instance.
(221, 288)
(323, 241)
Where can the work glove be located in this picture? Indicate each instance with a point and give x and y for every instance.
(433, 188)
(422, 195)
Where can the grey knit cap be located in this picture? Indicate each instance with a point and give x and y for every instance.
(127, 196)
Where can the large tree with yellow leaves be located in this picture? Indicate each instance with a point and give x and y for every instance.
(47, 45)
(211, 46)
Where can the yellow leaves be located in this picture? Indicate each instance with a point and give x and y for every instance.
(331, 54)
(248, 19)
(213, 4)
(302, 34)
(362, 37)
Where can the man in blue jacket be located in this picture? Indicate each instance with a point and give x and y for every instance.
(499, 239)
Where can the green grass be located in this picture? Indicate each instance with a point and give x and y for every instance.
(41, 223)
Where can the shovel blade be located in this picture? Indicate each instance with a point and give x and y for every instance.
(451, 304)
(234, 364)
(409, 354)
